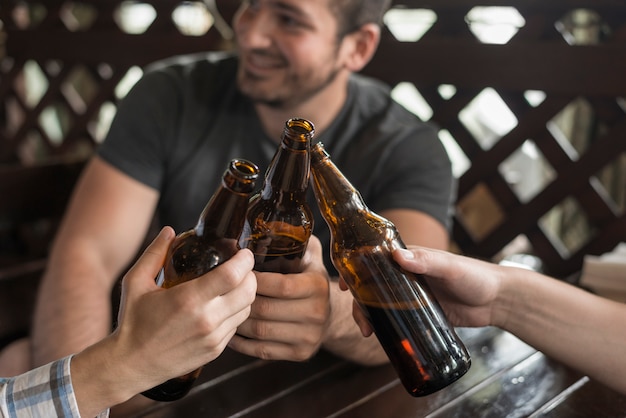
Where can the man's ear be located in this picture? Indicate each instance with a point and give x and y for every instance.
(360, 46)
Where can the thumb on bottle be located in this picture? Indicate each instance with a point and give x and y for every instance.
(147, 267)
(406, 254)
(408, 259)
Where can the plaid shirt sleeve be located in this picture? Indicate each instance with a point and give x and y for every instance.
(43, 392)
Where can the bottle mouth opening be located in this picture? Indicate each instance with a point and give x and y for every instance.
(244, 169)
(301, 126)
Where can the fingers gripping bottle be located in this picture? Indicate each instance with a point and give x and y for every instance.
(279, 221)
(212, 241)
(408, 321)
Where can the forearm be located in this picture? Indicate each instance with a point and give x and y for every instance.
(74, 307)
(344, 337)
(103, 227)
(580, 329)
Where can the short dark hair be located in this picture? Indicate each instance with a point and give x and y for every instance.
(352, 14)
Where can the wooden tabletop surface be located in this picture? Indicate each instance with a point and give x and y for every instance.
(508, 378)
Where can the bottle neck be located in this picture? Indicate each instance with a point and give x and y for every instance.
(289, 170)
(337, 197)
(343, 208)
(223, 216)
(225, 213)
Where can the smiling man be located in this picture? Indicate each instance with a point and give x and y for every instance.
(188, 116)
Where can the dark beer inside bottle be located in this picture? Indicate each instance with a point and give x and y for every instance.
(408, 322)
(277, 252)
(422, 369)
(191, 258)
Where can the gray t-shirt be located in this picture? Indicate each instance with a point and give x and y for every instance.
(182, 123)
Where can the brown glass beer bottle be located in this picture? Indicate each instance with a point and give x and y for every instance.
(212, 241)
(408, 321)
(279, 221)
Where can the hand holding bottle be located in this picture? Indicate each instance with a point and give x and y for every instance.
(195, 320)
(562, 321)
(291, 312)
(466, 288)
(192, 326)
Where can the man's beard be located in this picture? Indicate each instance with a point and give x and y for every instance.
(287, 97)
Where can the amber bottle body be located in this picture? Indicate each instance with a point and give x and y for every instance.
(405, 315)
(212, 241)
(279, 221)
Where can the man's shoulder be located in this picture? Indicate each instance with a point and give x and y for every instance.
(202, 77)
(205, 65)
(375, 102)
(370, 89)
(207, 58)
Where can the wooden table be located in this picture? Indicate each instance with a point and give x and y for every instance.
(508, 378)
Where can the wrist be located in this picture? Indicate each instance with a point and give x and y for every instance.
(343, 336)
(504, 299)
(512, 301)
(335, 315)
(100, 378)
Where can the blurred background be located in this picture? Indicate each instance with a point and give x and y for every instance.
(529, 97)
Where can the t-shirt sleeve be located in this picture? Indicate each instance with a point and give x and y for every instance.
(394, 159)
(137, 142)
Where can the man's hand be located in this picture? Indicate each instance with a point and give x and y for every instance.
(163, 333)
(290, 314)
(190, 323)
(465, 287)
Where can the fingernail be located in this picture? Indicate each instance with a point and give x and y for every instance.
(406, 254)
(166, 232)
